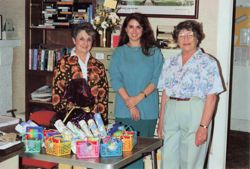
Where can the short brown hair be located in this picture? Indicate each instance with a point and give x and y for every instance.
(190, 25)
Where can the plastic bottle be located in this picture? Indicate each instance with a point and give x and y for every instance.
(93, 128)
(85, 128)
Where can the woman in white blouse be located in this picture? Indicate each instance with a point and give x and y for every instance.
(190, 82)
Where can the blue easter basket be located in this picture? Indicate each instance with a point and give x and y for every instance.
(111, 148)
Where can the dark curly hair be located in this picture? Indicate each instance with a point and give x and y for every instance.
(190, 25)
(87, 27)
(147, 39)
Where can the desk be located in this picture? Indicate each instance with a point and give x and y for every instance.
(10, 160)
(143, 148)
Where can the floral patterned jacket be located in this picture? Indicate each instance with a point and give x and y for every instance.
(67, 69)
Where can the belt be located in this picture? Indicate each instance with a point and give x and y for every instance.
(180, 99)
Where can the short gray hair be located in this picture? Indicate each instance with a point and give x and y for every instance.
(87, 27)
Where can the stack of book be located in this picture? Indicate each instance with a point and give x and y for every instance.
(42, 94)
(7, 124)
(49, 16)
(64, 13)
(164, 36)
(8, 142)
(80, 13)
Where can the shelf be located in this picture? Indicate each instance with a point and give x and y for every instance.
(42, 27)
(35, 5)
(40, 102)
(38, 36)
(40, 72)
(85, 1)
(50, 1)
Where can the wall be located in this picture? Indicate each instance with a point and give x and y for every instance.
(224, 32)
(209, 20)
(6, 62)
(15, 9)
(215, 16)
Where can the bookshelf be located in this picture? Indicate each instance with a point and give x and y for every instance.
(48, 32)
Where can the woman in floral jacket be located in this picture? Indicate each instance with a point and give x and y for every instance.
(80, 64)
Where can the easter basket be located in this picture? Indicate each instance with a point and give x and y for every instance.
(130, 131)
(89, 148)
(126, 134)
(32, 144)
(57, 146)
(110, 147)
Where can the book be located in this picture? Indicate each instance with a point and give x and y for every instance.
(35, 59)
(61, 23)
(65, 13)
(65, 2)
(165, 28)
(42, 66)
(115, 40)
(30, 59)
(7, 144)
(166, 36)
(43, 93)
(90, 13)
(51, 60)
(46, 26)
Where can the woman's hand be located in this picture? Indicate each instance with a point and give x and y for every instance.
(160, 129)
(201, 136)
(134, 113)
(134, 100)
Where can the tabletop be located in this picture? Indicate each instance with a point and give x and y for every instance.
(11, 152)
(144, 147)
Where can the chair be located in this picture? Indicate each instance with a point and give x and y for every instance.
(42, 118)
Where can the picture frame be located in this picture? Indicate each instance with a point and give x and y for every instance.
(1, 29)
(160, 8)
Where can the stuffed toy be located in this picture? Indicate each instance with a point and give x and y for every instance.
(79, 94)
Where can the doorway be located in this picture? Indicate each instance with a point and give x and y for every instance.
(239, 118)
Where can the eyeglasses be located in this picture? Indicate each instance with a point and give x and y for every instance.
(183, 36)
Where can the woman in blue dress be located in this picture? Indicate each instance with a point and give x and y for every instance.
(134, 70)
(190, 82)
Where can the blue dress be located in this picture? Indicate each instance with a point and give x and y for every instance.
(132, 70)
